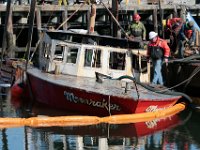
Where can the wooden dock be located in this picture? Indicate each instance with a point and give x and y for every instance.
(51, 16)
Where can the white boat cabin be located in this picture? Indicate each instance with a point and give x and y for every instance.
(85, 58)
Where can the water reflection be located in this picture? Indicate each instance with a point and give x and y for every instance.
(175, 132)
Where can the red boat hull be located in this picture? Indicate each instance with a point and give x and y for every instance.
(90, 103)
(138, 129)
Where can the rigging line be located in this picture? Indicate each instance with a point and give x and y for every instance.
(41, 37)
(186, 59)
(71, 16)
(50, 16)
(138, 94)
(113, 17)
(108, 136)
(195, 72)
(153, 90)
(22, 28)
(36, 47)
(109, 106)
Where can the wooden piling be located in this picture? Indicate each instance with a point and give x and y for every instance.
(64, 17)
(115, 12)
(155, 20)
(183, 13)
(8, 33)
(71, 20)
(92, 17)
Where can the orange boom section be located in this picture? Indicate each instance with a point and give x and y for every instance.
(90, 120)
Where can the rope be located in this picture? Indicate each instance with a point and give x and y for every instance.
(21, 28)
(116, 21)
(109, 106)
(186, 60)
(197, 70)
(134, 81)
(36, 47)
(165, 91)
(71, 16)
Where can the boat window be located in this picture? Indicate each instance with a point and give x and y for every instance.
(46, 48)
(72, 55)
(140, 66)
(59, 53)
(92, 58)
(117, 60)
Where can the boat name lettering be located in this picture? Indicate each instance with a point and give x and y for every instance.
(151, 124)
(154, 123)
(154, 108)
(75, 99)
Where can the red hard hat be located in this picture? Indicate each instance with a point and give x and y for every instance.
(136, 17)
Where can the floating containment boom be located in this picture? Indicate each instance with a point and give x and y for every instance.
(90, 120)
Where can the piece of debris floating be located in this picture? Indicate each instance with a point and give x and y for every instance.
(90, 120)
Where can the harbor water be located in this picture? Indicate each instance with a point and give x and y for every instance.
(179, 132)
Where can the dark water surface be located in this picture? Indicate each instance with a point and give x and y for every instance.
(179, 132)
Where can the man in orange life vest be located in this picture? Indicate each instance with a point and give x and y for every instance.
(187, 35)
(157, 50)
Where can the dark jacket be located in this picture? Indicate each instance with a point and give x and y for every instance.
(187, 32)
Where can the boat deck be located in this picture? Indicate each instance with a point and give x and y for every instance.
(107, 87)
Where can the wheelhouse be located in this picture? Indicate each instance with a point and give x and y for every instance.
(85, 57)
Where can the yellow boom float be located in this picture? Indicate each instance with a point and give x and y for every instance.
(90, 120)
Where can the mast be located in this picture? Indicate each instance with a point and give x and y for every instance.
(30, 31)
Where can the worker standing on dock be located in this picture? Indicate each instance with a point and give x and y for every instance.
(157, 51)
(173, 28)
(187, 36)
(137, 30)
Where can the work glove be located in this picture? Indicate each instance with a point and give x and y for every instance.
(166, 61)
(192, 44)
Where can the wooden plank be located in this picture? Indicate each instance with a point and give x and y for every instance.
(64, 17)
(154, 1)
(129, 7)
(155, 20)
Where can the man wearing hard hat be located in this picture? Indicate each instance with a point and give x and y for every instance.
(157, 51)
(137, 30)
(187, 36)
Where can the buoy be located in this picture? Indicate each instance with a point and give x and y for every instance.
(16, 90)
